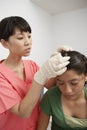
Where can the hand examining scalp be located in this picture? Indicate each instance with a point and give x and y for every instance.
(53, 67)
(65, 48)
(62, 48)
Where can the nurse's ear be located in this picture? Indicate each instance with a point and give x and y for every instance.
(86, 78)
(85, 81)
(4, 43)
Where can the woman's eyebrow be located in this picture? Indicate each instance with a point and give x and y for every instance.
(60, 80)
(69, 80)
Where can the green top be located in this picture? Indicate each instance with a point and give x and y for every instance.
(51, 105)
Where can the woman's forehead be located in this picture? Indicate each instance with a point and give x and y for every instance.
(68, 75)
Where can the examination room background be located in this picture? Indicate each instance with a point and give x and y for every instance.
(48, 32)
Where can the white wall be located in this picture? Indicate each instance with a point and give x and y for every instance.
(40, 22)
(71, 28)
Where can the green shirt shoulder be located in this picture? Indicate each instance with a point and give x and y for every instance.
(51, 105)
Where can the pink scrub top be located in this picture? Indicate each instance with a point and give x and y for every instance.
(12, 90)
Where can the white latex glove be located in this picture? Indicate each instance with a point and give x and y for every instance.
(61, 48)
(65, 48)
(53, 67)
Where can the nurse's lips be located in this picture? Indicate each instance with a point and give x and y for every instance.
(28, 49)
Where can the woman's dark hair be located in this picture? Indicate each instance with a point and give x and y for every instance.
(9, 24)
(78, 62)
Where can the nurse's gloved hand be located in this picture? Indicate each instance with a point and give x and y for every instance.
(53, 67)
(62, 48)
(65, 48)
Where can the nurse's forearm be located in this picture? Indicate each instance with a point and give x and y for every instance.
(28, 103)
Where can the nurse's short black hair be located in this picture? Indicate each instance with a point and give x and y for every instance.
(9, 24)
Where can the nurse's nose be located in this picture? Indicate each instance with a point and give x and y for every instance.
(27, 41)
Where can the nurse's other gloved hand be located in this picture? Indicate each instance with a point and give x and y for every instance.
(53, 67)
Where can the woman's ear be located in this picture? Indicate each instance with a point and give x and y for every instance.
(4, 43)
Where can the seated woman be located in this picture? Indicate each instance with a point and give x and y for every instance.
(67, 101)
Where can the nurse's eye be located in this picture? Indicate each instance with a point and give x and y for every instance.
(29, 36)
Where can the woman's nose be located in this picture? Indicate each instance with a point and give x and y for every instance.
(67, 89)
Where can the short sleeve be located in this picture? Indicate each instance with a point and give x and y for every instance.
(8, 95)
(45, 105)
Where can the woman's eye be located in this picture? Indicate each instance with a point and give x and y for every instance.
(19, 38)
(74, 83)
